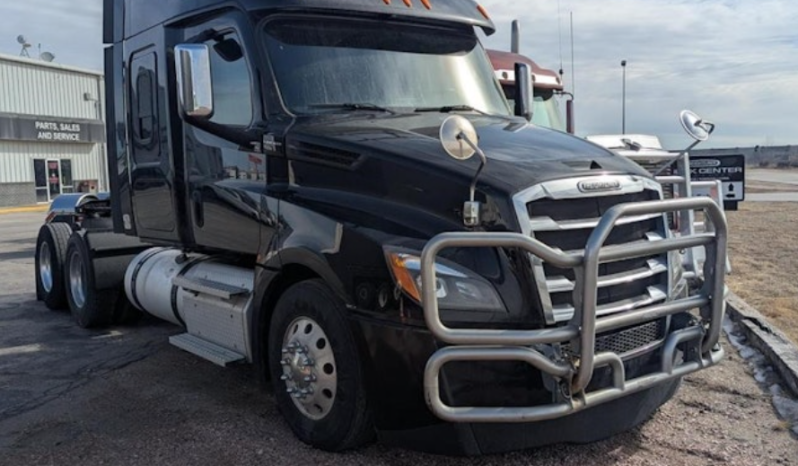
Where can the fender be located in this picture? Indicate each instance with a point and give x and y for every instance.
(271, 279)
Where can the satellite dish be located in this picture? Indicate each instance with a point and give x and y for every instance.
(454, 130)
(695, 126)
(47, 56)
(21, 40)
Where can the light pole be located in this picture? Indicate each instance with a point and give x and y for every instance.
(623, 105)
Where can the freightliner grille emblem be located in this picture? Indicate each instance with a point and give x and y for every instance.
(595, 186)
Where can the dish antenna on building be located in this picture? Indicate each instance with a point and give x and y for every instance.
(25, 46)
(47, 56)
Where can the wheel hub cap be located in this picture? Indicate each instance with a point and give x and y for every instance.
(45, 268)
(77, 284)
(309, 370)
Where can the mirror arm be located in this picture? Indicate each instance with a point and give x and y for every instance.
(482, 156)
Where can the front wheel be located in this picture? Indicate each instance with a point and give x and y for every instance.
(316, 371)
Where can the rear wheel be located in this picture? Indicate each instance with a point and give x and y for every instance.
(89, 306)
(51, 247)
(315, 366)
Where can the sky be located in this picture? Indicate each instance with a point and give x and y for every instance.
(734, 62)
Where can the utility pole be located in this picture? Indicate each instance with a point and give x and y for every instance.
(623, 104)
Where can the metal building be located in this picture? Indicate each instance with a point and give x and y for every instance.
(52, 131)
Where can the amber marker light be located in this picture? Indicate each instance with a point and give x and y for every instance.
(387, 2)
(427, 4)
(409, 3)
(483, 11)
(403, 277)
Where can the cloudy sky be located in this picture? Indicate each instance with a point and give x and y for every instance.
(735, 62)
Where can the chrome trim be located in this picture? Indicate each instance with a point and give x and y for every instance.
(655, 295)
(561, 284)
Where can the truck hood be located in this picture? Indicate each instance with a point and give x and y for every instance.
(519, 154)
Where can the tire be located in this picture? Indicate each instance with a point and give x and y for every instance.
(91, 308)
(336, 416)
(51, 246)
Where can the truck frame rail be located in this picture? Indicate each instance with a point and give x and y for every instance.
(574, 373)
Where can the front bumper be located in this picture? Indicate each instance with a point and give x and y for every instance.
(573, 372)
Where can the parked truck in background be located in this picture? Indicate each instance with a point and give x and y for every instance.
(338, 193)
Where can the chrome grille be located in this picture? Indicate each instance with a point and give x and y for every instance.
(566, 224)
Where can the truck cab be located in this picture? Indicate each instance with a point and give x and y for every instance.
(338, 193)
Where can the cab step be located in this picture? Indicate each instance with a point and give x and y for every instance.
(209, 287)
(206, 350)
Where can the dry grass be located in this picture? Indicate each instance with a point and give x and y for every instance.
(763, 246)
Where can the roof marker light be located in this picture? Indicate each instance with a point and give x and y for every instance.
(409, 3)
(427, 4)
(387, 2)
(483, 11)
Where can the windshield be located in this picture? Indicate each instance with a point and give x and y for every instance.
(545, 108)
(546, 112)
(321, 63)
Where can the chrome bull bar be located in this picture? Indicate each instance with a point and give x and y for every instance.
(517, 345)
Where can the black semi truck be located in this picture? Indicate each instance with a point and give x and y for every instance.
(338, 193)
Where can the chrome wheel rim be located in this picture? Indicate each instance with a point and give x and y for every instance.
(309, 369)
(45, 267)
(77, 282)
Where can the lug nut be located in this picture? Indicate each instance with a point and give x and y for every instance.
(310, 378)
(290, 390)
(284, 377)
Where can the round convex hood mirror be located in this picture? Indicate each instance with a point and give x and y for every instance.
(453, 131)
(691, 123)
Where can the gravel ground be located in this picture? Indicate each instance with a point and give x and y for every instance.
(764, 252)
(124, 396)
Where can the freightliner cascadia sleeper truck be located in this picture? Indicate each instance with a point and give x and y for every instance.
(338, 193)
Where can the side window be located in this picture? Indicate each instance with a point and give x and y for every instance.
(232, 88)
(144, 108)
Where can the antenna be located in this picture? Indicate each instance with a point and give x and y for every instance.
(25, 46)
(516, 39)
(47, 56)
(573, 67)
(559, 36)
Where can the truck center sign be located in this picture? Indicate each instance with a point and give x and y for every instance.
(729, 169)
(45, 129)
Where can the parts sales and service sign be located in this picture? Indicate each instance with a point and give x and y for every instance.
(45, 129)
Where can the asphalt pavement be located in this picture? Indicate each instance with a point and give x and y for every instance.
(124, 396)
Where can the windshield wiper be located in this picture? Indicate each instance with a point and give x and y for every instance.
(452, 108)
(352, 106)
(460, 108)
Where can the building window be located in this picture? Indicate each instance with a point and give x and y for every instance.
(67, 183)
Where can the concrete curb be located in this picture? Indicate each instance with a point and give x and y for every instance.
(24, 210)
(772, 342)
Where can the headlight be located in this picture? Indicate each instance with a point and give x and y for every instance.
(457, 288)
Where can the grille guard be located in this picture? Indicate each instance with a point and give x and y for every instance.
(576, 373)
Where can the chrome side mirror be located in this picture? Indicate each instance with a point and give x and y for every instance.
(459, 140)
(194, 83)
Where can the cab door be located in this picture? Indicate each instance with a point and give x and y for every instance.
(225, 179)
(152, 175)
